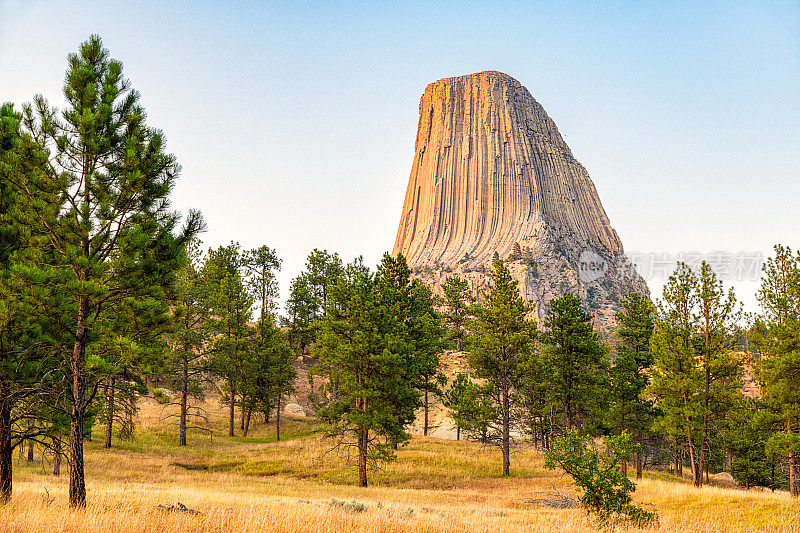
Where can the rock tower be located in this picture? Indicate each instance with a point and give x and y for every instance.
(492, 175)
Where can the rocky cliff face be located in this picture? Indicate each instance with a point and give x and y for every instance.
(491, 174)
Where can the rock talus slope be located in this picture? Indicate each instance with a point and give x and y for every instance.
(491, 174)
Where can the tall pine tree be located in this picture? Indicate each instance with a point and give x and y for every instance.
(779, 367)
(115, 236)
(578, 362)
(501, 340)
(629, 409)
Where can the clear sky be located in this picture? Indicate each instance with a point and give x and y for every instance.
(295, 122)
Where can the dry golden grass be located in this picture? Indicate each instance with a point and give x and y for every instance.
(256, 484)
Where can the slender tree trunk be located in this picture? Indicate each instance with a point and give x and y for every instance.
(110, 421)
(184, 396)
(697, 472)
(57, 456)
(458, 432)
(6, 461)
(676, 467)
(77, 482)
(704, 441)
(247, 421)
(363, 441)
(30, 450)
(232, 407)
(794, 475)
(243, 414)
(568, 412)
(278, 420)
(624, 465)
(425, 427)
(772, 478)
(639, 464)
(506, 434)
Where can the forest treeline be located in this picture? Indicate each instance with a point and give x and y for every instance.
(105, 290)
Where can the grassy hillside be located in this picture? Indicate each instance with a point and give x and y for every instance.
(257, 484)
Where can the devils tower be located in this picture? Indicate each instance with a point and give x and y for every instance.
(492, 175)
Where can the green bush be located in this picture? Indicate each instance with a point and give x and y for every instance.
(606, 492)
(161, 396)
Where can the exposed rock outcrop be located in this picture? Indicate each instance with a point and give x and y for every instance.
(491, 174)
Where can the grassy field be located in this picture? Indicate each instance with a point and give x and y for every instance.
(257, 484)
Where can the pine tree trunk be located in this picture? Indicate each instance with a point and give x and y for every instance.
(110, 421)
(458, 432)
(278, 420)
(506, 434)
(425, 427)
(184, 395)
(242, 416)
(363, 441)
(232, 407)
(30, 450)
(77, 482)
(794, 475)
(56, 456)
(697, 472)
(676, 469)
(704, 441)
(247, 421)
(639, 464)
(568, 412)
(6, 460)
(624, 464)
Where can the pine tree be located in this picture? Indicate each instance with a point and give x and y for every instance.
(779, 367)
(457, 298)
(267, 374)
(746, 437)
(114, 236)
(675, 375)
(25, 350)
(301, 309)
(411, 306)
(187, 360)
(364, 347)
(308, 296)
(629, 409)
(696, 376)
(539, 402)
(260, 265)
(230, 312)
(717, 319)
(578, 361)
(469, 407)
(500, 341)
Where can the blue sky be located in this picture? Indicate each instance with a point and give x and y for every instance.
(295, 122)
